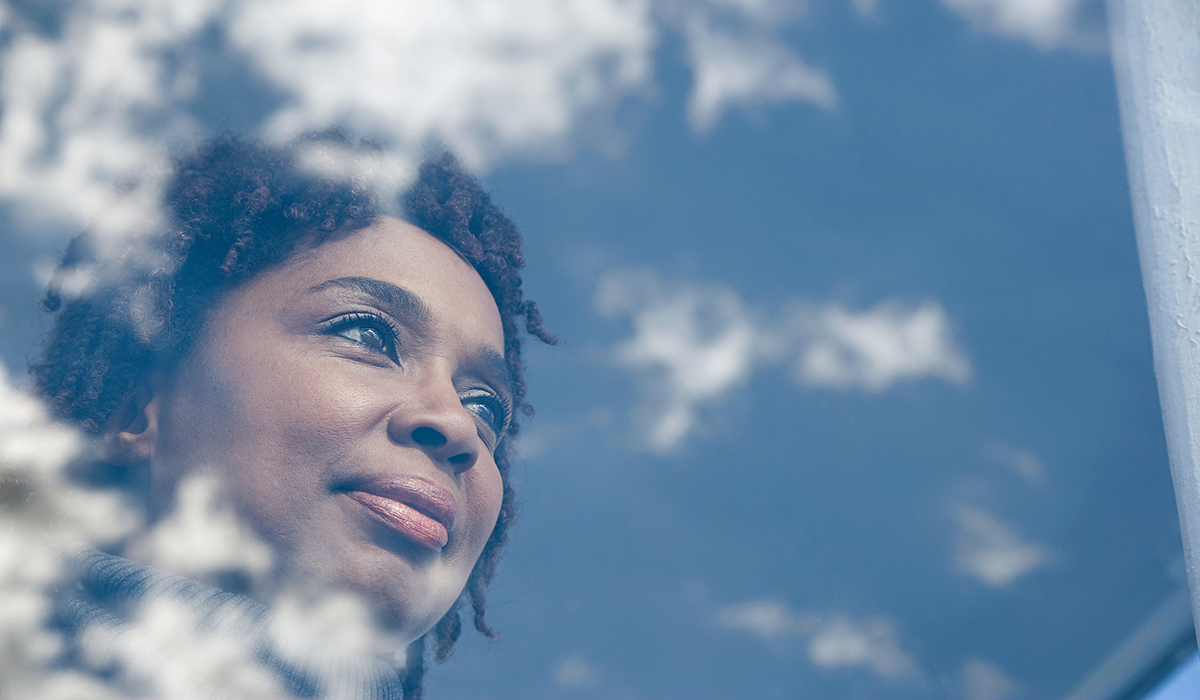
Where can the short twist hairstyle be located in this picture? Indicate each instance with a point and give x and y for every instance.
(234, 208)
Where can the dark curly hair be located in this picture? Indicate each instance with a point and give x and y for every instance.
(234, 208)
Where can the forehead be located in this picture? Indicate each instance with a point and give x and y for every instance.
(398, 253)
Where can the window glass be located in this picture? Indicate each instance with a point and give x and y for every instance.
(855, 396)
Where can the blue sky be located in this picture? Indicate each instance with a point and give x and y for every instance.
(855, 397)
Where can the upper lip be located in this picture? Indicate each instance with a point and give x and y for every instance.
(413, 491)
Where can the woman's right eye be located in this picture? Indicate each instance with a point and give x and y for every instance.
(373, 332)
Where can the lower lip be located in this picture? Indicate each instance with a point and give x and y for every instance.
(409, 522)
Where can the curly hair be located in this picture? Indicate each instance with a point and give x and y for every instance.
(236, 207)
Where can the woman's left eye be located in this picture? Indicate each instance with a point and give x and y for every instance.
(488, 408)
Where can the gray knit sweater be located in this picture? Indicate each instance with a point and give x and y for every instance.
(149, 634)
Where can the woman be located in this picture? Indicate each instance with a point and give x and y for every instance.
(350, 380)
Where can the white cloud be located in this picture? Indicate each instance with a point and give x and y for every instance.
(835, 641)
(738, 58)
(29, 440)
(746, 68)
(983, 681)
(201, 535)
(89, 110)
(491, 77)
(990, 551)
(840, 642)
(76, 109)
(1047, 24)
(693, 344)
(168, 648)
(765, 618)
(875, 349)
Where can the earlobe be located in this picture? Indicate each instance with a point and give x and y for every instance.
(133, 430)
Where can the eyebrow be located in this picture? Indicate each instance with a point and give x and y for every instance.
(496, 368)
(403, 304)
(397, 301)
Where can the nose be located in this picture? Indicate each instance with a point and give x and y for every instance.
(440, 426)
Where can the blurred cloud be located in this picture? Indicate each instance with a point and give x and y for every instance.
(29, 440)
(983, 681)
(865, 8)
(78, 104)
(745, 68)
(491, 78)
(693, 344)
(990, 551)
(95, 91)
(835, 641)
(765, 618)
(574, 672)
(1047, 24)
(874, 349)
(171, 642)
(202, 535)
(41, 517)
(840, 642)
(1023, 463)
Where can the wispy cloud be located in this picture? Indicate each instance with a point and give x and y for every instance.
(733, 67)
(983, 681)
(91, 102)
(990, 551)
(834, 640)
(490, 78)
(690, 345)
(873, 644)
(738, 58)
(874, 349)
(765, 618)
(1047, 24)
(693, 344)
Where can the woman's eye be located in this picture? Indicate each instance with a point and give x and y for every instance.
(488, 409)
(369, 331)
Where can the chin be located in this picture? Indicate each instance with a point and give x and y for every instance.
(403, 597)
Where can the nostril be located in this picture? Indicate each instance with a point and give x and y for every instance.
(428, 437)
(461, 460)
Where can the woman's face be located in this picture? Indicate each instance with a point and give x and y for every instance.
(350, 402)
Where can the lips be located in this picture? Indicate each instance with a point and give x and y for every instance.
(419, 510)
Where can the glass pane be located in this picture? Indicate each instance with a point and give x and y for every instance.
(855, 396)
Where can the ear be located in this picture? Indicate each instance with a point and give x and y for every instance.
(133, 429)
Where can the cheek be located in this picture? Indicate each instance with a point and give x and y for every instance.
(484, 498)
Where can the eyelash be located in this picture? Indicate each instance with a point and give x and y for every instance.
(387, 331)
(501, 407)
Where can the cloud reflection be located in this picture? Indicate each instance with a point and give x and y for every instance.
(990, 551)
(693, 344)
(834, 640)
(77, 623)
(983, 681)
(840, 642)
